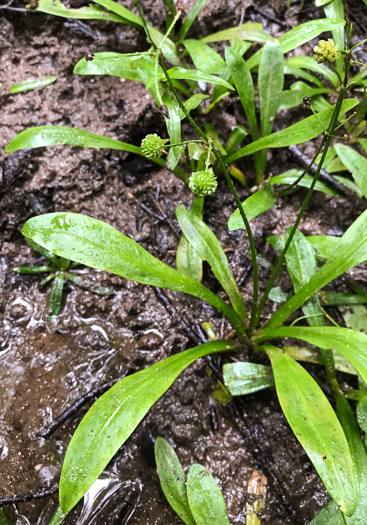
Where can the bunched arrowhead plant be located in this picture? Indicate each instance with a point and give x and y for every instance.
(331, 439)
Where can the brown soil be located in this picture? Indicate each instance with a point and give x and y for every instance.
(48, 366)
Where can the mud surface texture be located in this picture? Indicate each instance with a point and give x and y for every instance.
(49, 367)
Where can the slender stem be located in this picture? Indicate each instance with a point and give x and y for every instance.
(183, 143)
(163, 41)
(207, 162)
(337, 73)
(359, 44)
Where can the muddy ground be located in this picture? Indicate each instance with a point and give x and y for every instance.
(48, 367)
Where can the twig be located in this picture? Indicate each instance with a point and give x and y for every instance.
(29, 496)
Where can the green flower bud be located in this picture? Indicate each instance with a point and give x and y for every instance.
(153, 146)
(203, 182)
(325, 51)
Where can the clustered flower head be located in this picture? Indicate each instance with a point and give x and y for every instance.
(203, 182)
(153, 146)
(325, 51)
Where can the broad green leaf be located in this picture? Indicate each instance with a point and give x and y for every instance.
(113, 64)
(300, 35)
(172, 479)
(204, 57)
(333, 10)
(187, 260)
(91, 12)
(173, 123)
(209, 249)
(121, 11)
(316, 427)
(324, 245)
(190, 18)
(32, 83)
(115, 415)
(97, 244)
(252, 31)
(242, 79)
(302, 131)
(55, 299)
(246, 378)
(355, 163)
(289, 177)
(350, 251)
(350, 344)
(254, 205)
(205, 498)
(311, 64)
(359, 456)
(180, 73)
(329, 515)
(362, 413)
(271, 81)
(301, 266)
(41, 136)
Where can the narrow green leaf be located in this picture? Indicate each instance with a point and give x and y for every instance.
(291, 98)
(205, 498)
(180, 73)
(246, 378)
(316, 427)
(335, 10)
(324, 245)
(32, 83)
(55, 299)
(204, 57)
(350, 344)
(235, 138)
(169, 49)
(252, 31)
(341, 298)
(172, 479)
(208, 248)
(31, 269)
(329, 515)
(301, 73)
(289, 177)
(311, 64)
(300, 35)
(350, 251)
(362, 413)
(91, 12)
(301, 266)
(302, 131)
(95, 243)
(190, 18)
(192, 103)
(187, 260)
(271, 81)
(254, 205)
(45, 253)
(121, 11)
(41, 136)
(242, 79)
(173, 123)
(115, 415)
(310, 355)
(113, 64)
(356, 164)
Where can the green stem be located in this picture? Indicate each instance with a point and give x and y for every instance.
(183, 143)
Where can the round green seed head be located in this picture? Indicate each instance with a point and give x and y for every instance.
(203, 182)
(153, 146)
(325, 51)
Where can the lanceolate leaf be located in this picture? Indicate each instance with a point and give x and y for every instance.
(207, 246)
(310, 63)
(324, 245)
(300, 35)
(204, 57)
(317, 428)
(329, 515)
(349, 343)
(107, 63)
(254, 205)
(124, 13)
(55, 299)
(187, 260)
(181, 73)
(252, 31)
(173, 123)
(190, 18)
(115, 415)
(172, 479)
(243, 378)
(97, 244)
(290, 177)
(350, 251)
(91, 12)
(33, 83)
(205, 498)
(271, 80)
(356, 164)
(302, 131)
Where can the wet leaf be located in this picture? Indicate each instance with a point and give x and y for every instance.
(362, 412)
(289, 177)
(91, 12)
(204, 57)
(115, 415)
(181, 73)
(324, 245)
(293, 97)
(301, 73)
(252, 31)
(277, 295)
(192, 103)
(302, 131)
(173, 123)
(172, 479)
(350, 344)
(205, 498)
(311, 64)
(259, 202)
(323, 439)
(190, 18)
(235, 138)
(121, 11)
(356, 164)
(335, 10)
(329, 515)
(97, 244)
(55, 299)
(32, 83)
(299, 35)
(31, 269)
(341, 298)
(113, 64)
(244, 378)
(350, 251)
(45, 253)
(187, 260)
(270, 80)
(209, 249)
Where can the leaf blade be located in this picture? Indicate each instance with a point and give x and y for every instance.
(254, 205)
(32, 83)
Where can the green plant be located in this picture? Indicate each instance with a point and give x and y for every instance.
(328, 441)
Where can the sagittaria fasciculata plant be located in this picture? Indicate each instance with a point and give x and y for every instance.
(331, 439)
